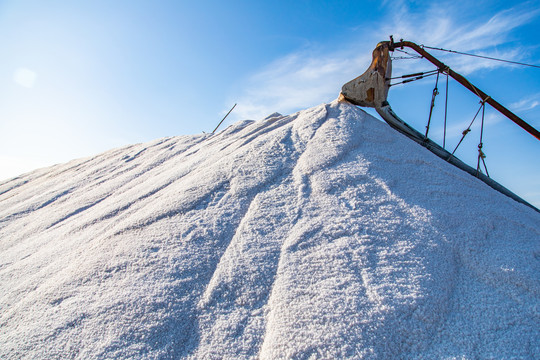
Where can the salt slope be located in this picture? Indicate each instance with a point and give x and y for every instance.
(323, 234)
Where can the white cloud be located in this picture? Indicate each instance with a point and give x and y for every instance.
(526, 104)
(438, 27)
(307, 78)
(297, 81)
(25, 77)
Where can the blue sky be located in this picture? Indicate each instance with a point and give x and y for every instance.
(79, 77)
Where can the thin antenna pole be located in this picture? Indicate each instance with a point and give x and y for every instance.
(224, 118)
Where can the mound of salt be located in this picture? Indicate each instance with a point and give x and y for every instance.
(323, 234)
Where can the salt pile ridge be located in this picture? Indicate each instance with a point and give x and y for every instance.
(323, 234)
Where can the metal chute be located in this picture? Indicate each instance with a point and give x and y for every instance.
(371, 90)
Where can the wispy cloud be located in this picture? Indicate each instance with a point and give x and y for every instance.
(526, 104)
(439, 27)
(297, 81)
(308, 77)
(25, 77)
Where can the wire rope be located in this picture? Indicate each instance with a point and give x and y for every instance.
(481, 56)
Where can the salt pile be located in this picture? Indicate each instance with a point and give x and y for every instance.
(323, 234)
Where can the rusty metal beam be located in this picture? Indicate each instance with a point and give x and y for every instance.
(463, 81)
